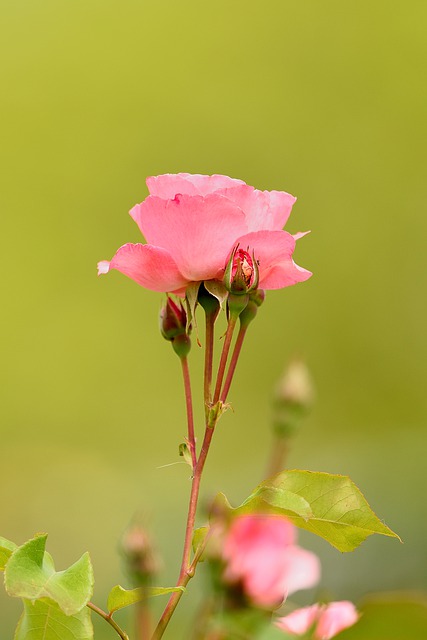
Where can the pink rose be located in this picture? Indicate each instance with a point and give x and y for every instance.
(260, 553)
(191, 224)
(328, 620)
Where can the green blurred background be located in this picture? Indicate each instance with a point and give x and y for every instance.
(326, 100)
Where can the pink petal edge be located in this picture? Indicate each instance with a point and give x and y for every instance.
(151, 267)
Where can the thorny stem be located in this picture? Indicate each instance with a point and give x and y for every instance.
(189, 405)
(224, 355)
(233, 361)
(108, 618)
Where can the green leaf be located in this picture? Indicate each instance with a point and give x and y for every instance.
(119, 597)
(339, 512)
(199, 537)
(6, 549)
(30, 573)
(44, 620)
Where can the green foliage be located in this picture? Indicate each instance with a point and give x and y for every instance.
(30, 574)
(54, 602)
(44, 620)
(336, 511)
(6, 549)
(119, 597)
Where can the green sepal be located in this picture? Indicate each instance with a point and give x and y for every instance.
(6, 549)
(198, 541)
(44, 620)
(30, 574)
(191, 293)
(119, 598)
(217, 290)
(340, 513)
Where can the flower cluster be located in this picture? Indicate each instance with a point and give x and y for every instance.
(192, 225)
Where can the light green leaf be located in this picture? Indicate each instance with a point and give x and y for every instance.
(44, 620)
(30, 573)
(6, 549)
(340, 513)
(284, 499)
(199, 537)
(119, 597)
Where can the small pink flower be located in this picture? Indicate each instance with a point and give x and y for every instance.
(260, 553)
(328, 620)
(192, 223)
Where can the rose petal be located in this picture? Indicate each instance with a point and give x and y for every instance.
(334, 618)
(255, 554)
(197, 231)
(170, 184)
(300, 620)
(264, 210)
(151, 267)
(302, 569)
(273, 250)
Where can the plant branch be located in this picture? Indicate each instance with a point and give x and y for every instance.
(108, 618)
(224, 355)
(210, 325)
(189, 406)
(187, 568)
(233, 362)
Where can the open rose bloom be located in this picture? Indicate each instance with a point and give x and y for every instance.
(192, 223)
(261, 553)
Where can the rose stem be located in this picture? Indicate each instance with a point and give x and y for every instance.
(189, 406)
(108, 618)
(224, 355)
(187, 569)
(210, 324)
(233, 362)
(246, 317)
(279, 452)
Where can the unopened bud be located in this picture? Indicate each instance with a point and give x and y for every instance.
(241, 273)
(256, 298)
(293, 398)
(141, 560)
(181, 345)
(173, 319)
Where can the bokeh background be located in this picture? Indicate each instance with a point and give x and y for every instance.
(326, 100)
